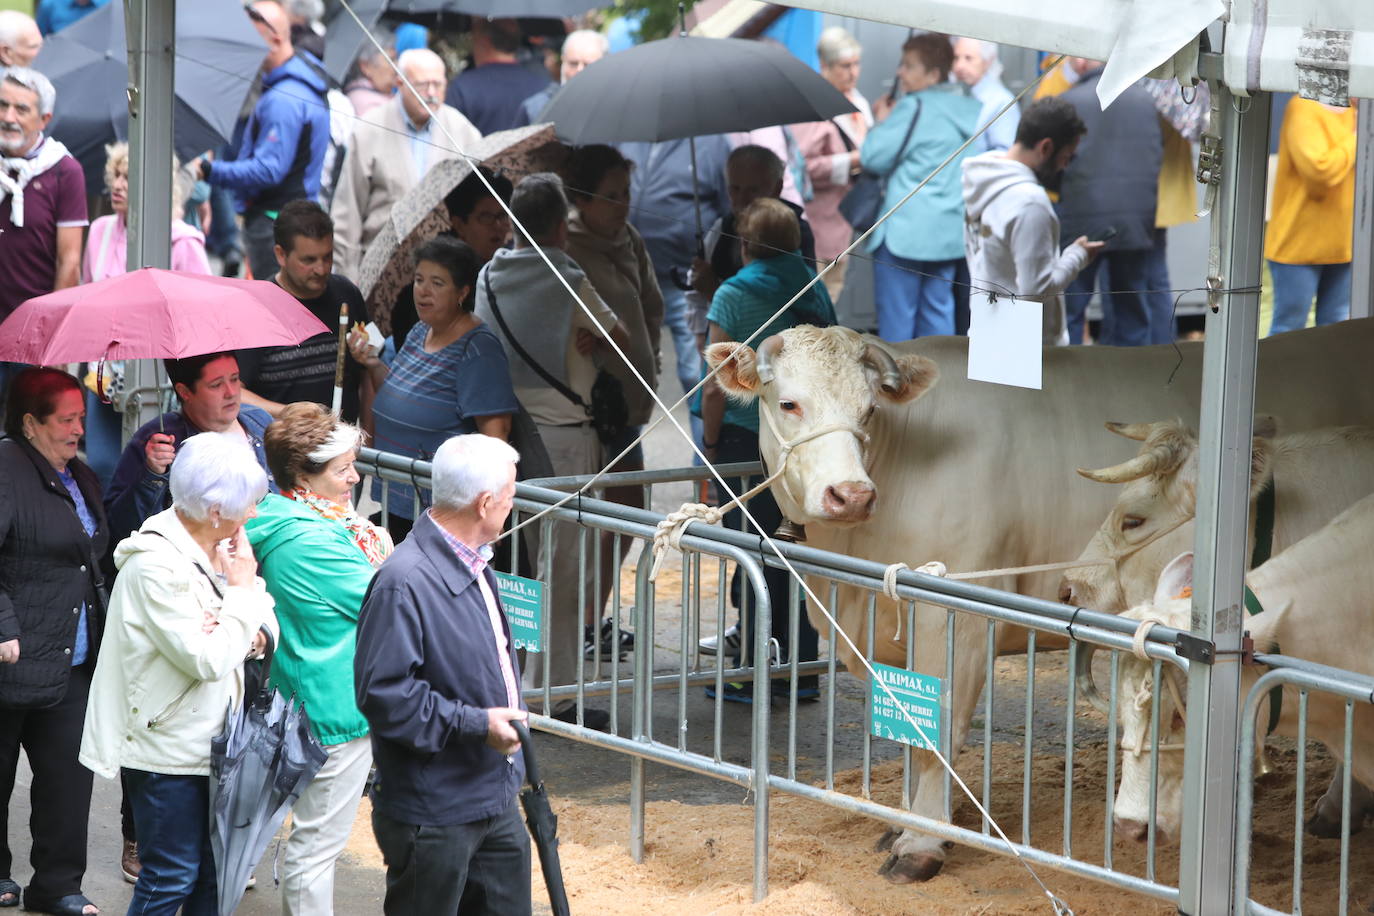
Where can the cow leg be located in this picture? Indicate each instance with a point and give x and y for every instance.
(918, 856)
(1326, 819)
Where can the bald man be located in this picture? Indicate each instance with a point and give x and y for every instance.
(282, 152)
(581, 49)
(392, 148)
(20, 40)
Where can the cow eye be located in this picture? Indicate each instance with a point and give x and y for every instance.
(1131, 522)
(868, 414)
(788, 406)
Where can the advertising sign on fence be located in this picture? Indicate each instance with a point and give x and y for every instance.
(919, 695)
(523, 600)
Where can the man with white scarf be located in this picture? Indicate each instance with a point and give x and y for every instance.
(42, 197)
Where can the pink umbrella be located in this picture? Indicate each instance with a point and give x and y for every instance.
(152, 313)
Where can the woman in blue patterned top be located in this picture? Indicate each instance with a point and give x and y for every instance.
(449, 377)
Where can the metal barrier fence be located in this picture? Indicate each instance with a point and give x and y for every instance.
(672, 731)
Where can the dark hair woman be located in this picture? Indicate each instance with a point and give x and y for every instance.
(52, 608)
(450, 376)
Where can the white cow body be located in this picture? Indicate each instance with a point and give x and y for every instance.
(1315, 476)
(1318, 600)
(981, 476)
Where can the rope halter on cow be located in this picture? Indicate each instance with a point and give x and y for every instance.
(1147, 691)
(668, 533)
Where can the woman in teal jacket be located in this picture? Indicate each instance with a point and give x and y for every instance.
(317, 557)
(918, 248)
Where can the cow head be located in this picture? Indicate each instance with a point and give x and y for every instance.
(820, 389)
(1137, 694)
(1152, 520)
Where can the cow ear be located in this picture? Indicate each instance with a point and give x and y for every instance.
(1261, 465)
(1176, 581)
(738, 376)
(919, 375)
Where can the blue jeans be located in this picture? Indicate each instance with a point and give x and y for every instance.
(684, 344)
(914, 298)
(1126, 308)
(104, 426)
(1295, 285)
(172, 817)
(1160, 298)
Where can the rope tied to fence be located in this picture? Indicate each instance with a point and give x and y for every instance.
(1142, 633)
(933, 568)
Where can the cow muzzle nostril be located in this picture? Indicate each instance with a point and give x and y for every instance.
(849, 501)
(1066, 592)
(1132, 829)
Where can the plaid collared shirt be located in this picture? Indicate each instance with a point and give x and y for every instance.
(478, 560)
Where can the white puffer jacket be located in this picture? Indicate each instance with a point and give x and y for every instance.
(171, 660)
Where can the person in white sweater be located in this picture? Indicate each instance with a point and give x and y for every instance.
(1011, 232)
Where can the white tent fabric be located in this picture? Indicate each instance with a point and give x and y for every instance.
(1320, 48)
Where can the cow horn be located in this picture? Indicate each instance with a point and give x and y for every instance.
(763, 358)
(886, 366)
(1137, 431)
(1154, 460)
(1083, 677)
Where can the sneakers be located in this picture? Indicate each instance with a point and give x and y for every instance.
(607, 633)
(711, 644)
(128, 862)
(808, 691)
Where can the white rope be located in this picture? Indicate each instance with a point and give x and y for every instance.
(1057, 904)
(1142, 633)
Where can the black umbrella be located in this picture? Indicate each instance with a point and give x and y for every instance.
(543, 824)
(218, 52)
(690, 87)
(260, 764)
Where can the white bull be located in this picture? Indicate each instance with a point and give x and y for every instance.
(909, 461)
(1318, 600)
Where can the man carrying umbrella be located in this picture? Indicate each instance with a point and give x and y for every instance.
(42, 198)
(438, 679)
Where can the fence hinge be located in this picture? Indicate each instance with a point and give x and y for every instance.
(1195, 648)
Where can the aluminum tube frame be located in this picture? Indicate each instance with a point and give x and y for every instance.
(1207, 855)
(1362, 260)
(150, 28)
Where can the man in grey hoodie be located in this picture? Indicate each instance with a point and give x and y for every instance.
(1011, 232)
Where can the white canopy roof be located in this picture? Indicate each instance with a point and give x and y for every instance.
(1319, 48)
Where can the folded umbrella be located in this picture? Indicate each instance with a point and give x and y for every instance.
(259, 765)
(543, 824)
(151, 313)
(217, 54)
(419, 215)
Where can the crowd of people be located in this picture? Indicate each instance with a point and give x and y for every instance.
(138, 579)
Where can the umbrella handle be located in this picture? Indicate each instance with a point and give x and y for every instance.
(527, 751)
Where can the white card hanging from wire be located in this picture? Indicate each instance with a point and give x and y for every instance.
(1004, 340)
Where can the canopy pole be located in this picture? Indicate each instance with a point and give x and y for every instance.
(1208, 855)
(1362, 255)
(150, 30)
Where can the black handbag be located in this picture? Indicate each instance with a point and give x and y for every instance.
(861, 205)
(608, 412)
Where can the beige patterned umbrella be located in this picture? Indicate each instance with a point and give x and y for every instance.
(420, 215)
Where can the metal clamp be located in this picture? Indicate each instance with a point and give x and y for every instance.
(1209, 160)
(1195, 648)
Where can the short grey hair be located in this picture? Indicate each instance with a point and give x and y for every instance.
(751, 155)
(415, 56)
(216, 471)
(540, 204)
(589, 35)
(35, 82)
(13, 24)
(465, 467)
(836, 44)
(988, 51)
(309, 10)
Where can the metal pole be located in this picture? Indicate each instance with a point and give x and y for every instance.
(1208, 853)
(150, 29)
(1361, 268)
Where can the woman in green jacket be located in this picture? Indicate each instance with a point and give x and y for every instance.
(317, 557)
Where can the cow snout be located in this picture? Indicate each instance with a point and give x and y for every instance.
(1065, 592)
(1132, 829)
(849, 501)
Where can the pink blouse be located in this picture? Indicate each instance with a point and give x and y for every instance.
(107, 249)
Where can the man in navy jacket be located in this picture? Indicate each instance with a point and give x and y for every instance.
(438, 679)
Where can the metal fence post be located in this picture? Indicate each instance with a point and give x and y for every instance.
(150, 30)
(1362, 264)
(1208, 853)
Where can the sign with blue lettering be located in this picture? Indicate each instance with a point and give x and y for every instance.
(919, 695)
(523, 601)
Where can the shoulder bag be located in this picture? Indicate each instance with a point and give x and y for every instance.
(608, 412)
(865, 198)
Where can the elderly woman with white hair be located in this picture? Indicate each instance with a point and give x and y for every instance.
(187, 610)
(831, 152)
(318, 557)
(977, 67)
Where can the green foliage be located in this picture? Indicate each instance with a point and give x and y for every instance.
(660, 16)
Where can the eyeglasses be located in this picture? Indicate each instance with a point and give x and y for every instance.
(428, 84)
(491, 218)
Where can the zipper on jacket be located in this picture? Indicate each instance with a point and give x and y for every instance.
(170, 709)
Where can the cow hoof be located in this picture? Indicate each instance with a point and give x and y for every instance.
(886, 840)
(911, 868)
(1330, 829)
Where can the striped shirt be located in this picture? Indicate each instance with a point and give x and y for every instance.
(478, 560)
